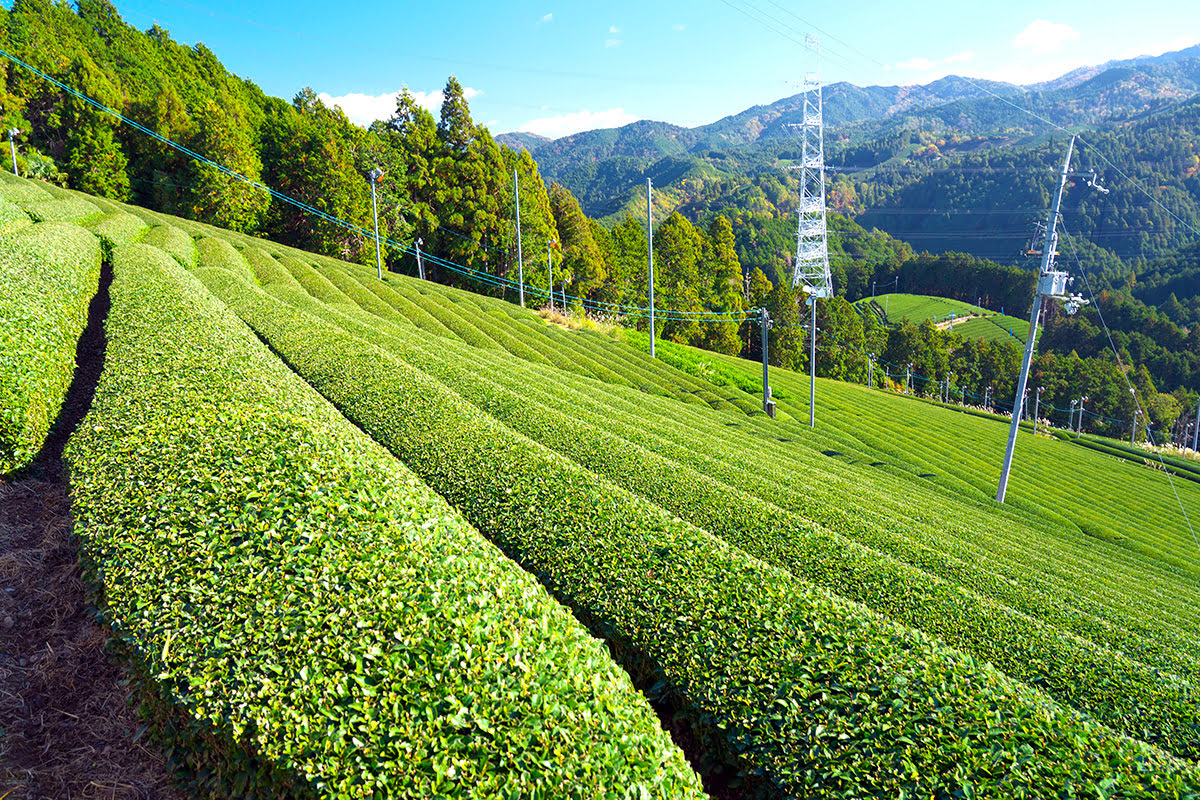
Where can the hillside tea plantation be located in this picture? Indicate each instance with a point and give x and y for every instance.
(359, 538)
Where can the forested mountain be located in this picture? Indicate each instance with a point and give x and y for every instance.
(725, 236)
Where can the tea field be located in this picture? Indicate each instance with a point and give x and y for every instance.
(389, 538)
(968, 321)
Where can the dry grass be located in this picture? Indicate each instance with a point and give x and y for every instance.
(581, 321)
(68, 730)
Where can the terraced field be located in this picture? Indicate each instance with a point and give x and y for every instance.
(830, 613)
(977, 322)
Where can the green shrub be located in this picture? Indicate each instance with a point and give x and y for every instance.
(22, 191)
(117, 228)
(74, 209)
(806, 694)
(174, 241)
(214, 252)
(1124, 694)
(267, 269)
(308, 618)
(49, 273)
(12, 217)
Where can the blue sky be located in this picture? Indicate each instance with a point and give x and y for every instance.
(554, 68)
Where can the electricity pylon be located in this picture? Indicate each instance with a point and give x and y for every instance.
(811, 272)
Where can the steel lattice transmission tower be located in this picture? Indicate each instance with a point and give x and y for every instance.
(811, 272)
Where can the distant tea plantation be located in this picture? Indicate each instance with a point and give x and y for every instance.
(363, 538)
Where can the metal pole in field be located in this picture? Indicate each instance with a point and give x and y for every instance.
(764, 320)
(520, 260)
(871, 371)
(376, 174)
(420, 263)
(650, 256)
(13, 147)
(1133, 430)
(1052, 284)
(812, 368)
(1037, 400)
(1196, 430)
(1079, 424)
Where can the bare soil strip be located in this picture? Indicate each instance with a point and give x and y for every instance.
(67, 727)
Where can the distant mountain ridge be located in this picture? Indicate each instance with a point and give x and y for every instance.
(602, 166)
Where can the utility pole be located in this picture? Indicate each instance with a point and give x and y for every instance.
(650, 256)
(13, 147)
(764, 321)
(1079, 424)
(1196, 430)
(375, 174)
(871, 371)
(420, 263)
(520, 259)
(1037, 400)
(987, 398)
(1133, 430)
(908, 379)
(1052, 285)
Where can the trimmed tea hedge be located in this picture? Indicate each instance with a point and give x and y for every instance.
(308, 617)
(12, 217)
(117, 228)
(49, 273)
(1129, 696)
(74, 209)
(174, 241)
(806, 694)
(21, 191)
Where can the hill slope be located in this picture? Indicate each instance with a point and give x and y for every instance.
(795, 594)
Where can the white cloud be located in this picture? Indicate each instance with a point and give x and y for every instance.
(919, 64)
(566, 124)
(612, 42)
(546, 18)
(614, 29)
(959, 58)
(363, 109)
(1043, 36)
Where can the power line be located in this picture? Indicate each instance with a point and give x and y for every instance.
(699, 316)
(1132, 392)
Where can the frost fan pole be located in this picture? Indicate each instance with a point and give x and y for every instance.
(376, 174)
(764, 320)
(650, 258)
(12, 146)
(520, 261)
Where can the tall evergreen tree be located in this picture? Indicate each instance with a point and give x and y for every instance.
(95, 161)
(216, 197)
(724, 296)
(678, 252)
(582, 262)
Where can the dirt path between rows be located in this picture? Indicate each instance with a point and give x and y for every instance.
(946, 323)
(67, 729)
